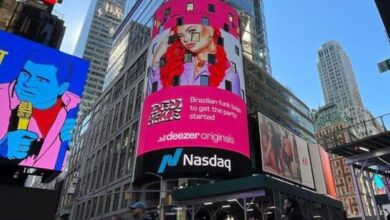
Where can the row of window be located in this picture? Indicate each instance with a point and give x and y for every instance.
(190, 8)
(117, 199)
(204, 81)
(111, 162)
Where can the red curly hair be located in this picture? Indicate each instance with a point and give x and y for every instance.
(174, 65)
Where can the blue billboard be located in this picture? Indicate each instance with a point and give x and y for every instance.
(40, 93)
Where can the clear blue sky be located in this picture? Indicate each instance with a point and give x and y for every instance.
(296, 29)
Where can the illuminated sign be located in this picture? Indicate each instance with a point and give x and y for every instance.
(40, 91)
(284, 154)
(194, 118)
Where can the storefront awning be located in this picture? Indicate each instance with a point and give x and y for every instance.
(250, 184)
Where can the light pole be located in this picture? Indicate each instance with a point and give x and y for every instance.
(160, 205)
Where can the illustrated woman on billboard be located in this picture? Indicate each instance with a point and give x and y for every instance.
(192, 54)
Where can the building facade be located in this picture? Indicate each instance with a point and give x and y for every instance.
(253, 31)
(330, 120)
(101, 164)
(95, 43)
(339, 86)
(32, 20)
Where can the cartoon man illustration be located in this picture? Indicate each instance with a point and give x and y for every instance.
(34, 110)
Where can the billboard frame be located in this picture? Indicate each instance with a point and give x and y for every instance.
(314, 188)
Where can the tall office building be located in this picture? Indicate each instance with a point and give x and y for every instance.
(102, 159)
(339, 86)
(95, 43)
(330, 120)
(253, 32)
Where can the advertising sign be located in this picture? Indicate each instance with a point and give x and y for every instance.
(327, 169)
(318, 174)
(40, 91)
(323, 176)
(194, 119)
(284, 154)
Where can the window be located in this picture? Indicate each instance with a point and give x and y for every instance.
(179, 21)
(211, 8)
(205, 21)
(167, 12)
(190, 6)
(204, 80)
(233, 67)
(125, 196)
(100, 206)
(176, 81)
(171, 39)
(162, 62)
(161, 29)
(154, 48)
(188, 58)
(237, 50)
(195, 36)
(108, 202)
(154, 86)
(211, 58)
(226, 27)
(116, 199)
(231, 18)
(228, 85)
(221, 41)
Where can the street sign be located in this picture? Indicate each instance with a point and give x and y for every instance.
(384, 66)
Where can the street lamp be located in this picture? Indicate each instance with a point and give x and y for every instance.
(161, 215)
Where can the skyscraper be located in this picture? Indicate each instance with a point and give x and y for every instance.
(95, 43)
(253, 32)
(339, 86)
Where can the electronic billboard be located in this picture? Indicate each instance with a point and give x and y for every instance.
(194, 118)
(40, 91)
(284, 154)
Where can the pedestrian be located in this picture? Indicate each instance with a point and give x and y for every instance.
(291, 209)
(138, 211)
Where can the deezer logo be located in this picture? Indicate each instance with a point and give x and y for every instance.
(193, 161)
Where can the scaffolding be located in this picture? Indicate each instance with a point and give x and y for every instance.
(367, 154)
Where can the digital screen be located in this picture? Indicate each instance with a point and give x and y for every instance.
(194, 118)
(284, 154)
(40, 91)
(326, 167)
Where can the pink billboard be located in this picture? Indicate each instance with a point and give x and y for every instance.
(194, 119)
(194, 116)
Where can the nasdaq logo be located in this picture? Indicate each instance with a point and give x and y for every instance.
(191, 160)
(170, 160)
